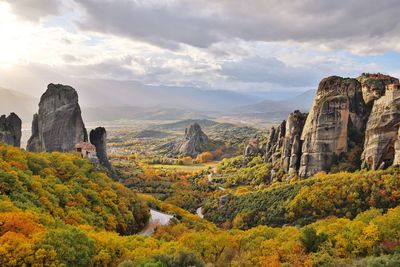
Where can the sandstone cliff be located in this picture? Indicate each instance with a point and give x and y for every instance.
(381, 135)
(351, 121)
(58, 126)
(338, 104)
(10, 130)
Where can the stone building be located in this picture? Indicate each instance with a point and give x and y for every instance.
(87, 150)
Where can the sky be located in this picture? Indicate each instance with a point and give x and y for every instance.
(245, 46)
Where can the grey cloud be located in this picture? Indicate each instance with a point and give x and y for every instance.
(352, 24)
(34, 10)
(160, 24)
(204, 22)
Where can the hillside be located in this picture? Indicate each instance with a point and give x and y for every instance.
(304, 202)
(39, 189)
(68, 189)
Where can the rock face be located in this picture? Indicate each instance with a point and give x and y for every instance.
(348, 116)
(58, 126)
(381, 135)
(396, 160)
(338, 104)
(373, 85)
(291, 149)
(194, 142)
(10, 130)
(340, 126)
(98, 137)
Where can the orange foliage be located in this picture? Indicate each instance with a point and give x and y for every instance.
(205, 157)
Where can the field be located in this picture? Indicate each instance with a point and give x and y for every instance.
(184, 168)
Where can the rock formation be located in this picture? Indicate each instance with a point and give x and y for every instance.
(291, 149)
(10, 130)
(338, 104)
(348, 116)
(274, 143)
(381, 135)
(396, 160)
(58, 126)
(252, 148)
(194, 142)
(98, 137)
(373, 85)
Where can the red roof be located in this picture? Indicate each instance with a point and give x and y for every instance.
(85, 145)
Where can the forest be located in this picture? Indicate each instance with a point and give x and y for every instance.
(57, 209)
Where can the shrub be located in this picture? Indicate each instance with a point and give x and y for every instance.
(205, 157)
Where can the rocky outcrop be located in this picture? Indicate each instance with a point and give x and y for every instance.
(58, 126)
(98, 137)
(33, 142)
(338, 104)
(10, 130)
(252, 148)
(194, 142)
(348, 116)
(381, 135)
(291, 149)
(373, 85)
(274, 143)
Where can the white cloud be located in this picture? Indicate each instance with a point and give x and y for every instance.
(224, 44)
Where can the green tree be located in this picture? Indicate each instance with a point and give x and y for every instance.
(311, 240)
(72, 246)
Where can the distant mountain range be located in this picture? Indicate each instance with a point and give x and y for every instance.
(23, 105)
(301, 102)
(113, 100)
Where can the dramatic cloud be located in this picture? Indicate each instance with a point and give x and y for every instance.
(360, 26)
(236, 45)
(332, 24)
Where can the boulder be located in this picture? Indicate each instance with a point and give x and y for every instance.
(58, 125)
(10, 130)
(98, 137)
(338, 103)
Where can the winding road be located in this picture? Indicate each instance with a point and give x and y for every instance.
(156, 219)
(199, 211)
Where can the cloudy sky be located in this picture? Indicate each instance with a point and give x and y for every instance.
(256, 45)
